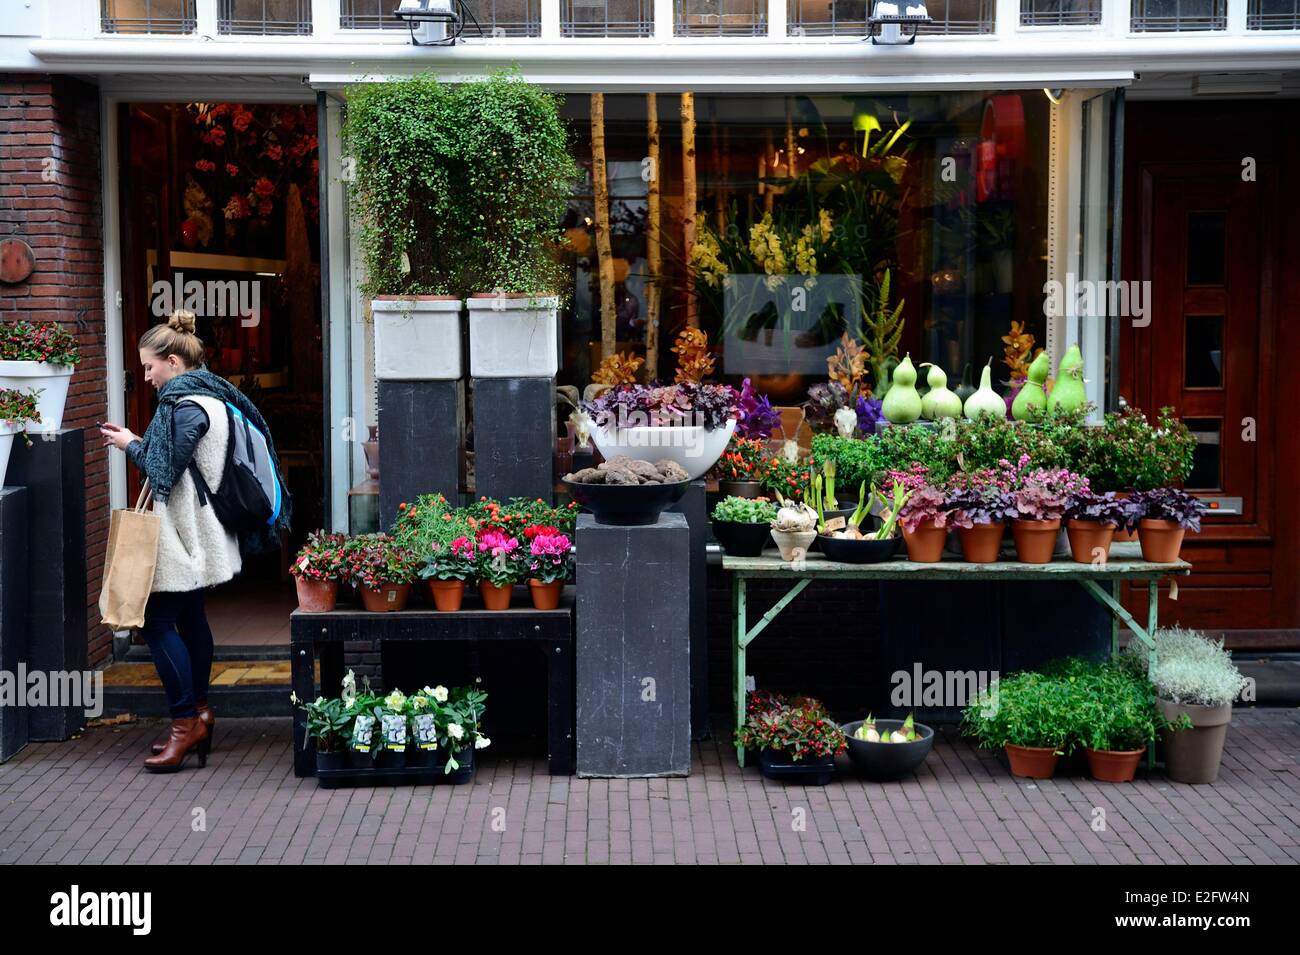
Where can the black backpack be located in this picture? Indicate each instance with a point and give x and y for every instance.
(250, 494)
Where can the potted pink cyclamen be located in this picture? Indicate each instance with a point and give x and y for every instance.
(550, 564)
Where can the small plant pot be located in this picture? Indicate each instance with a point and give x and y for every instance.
(1031, 762)
(793, 544)
(746, 489)
(1087, 537)
(386, 597)
(925, 544)
(386, 758)
(327, 762)
(417, 758)
(1193, 755)
(775, 764)
(1113, 766)
(1161, 540)
(981, 543)
(545, 596)
(494, 597)
(742, 540)
(358, 760)
(1035, 540)
(447, 594)
(316, 596)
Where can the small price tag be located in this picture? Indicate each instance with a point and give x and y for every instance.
(302, 564)
(750, 685)
(836, 524)
(392, 596)
(1173, 588)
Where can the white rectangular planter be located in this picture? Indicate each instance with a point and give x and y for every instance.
(417, 339)
(50, 382)
(513, 337)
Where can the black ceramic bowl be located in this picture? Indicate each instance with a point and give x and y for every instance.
(626, 505)
(742, 540)
(844, 551)
(884, 761)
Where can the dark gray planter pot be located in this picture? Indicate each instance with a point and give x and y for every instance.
(1193, 755)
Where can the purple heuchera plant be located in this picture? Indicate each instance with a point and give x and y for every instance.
(1044, 493)
(1169, 504)
(927, 503)
(1103, 508)
(757, 418)
(981, 497)
(660, 406)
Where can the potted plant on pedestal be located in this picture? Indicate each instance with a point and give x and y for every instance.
(316, 571)
(39, 358)
(690, 423)
(407, 167)
(1029, 716)
(499, 565)
(17, 414)
(796, 739)
(550, 564)
(1167, 514)
(514, 178)
(382, 570)
(1196, 683)
(1091, 520)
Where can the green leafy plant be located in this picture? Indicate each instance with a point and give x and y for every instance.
(1190, 669)
(376, 559)
(329, 723)
(882, 329)
(800, 728)
(902, 446)
(1023, 709)
(743, 510)
(856, 459)
(1115, 707)
(39, 341)
(1129, 453)
(322, 557)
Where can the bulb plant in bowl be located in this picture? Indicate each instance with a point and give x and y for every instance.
(550, 564)
(1196, 683)
(316, 571)
(1091, 520)
(979, 505)
(1028, 715)
(1167, 514)
(793, 528)
(742, 525)
(888, 749)
(1041, 497)
(382, 569)
(843, 540)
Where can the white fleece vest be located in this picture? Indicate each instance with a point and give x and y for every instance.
(194, 549)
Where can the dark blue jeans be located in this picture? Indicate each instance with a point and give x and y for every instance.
(176, 629)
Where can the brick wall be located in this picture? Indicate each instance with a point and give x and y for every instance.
(50, 198)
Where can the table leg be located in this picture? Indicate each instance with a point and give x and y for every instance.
(302, 659)
(738, 656)
(1153, 614)
(560, 707)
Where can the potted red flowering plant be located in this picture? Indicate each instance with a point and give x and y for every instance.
(442, 537)
(39, 358)
(382, 570)
(740, 469)
(550, 563)
(1041, 498)
(924, 518)
(17, 408)
(499, 565)
(979, 505)
(316, 571)
(796, 739)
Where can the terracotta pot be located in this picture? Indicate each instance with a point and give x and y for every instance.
(1193, 755)
(447, 594)
(545, 596)
(748, 489)
(980, 544)
(1035, 540)
(1161, 540)
(1086, 537)
(316, 596)
(1113, 766)
(925, 544)
(386, 597)
(494, 597)
(1031, 762)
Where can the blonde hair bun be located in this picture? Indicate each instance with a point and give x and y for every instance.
(182, 321)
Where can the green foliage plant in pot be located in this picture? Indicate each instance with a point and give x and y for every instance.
(796, 739)
(742, 525)
(39, 357)
(1116, 717)
(316, 570)
(329, 726)
(1196, 683)
(382, 569)
(517, 173)
(399, 138)
(1028, 715)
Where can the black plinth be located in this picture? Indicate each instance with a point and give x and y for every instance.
(633, 649)
(54, 473)
(13, 612)
(694, 506)
(514, 437)
(420, 437)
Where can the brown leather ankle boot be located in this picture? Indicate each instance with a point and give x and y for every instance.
(186, 735)
(209, 720)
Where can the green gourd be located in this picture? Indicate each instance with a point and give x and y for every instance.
(1031, 401)
(902, 402)
(1068, 393)
(939, 402)
(986, 401)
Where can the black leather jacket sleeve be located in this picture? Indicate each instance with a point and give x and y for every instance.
(189, 424)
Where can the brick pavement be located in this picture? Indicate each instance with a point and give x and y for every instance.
(88, 801)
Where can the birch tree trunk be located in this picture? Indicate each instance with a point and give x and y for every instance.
(654, 253)
(604, 255)
(688, 203)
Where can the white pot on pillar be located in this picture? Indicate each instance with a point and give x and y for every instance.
(49, 381)
(417, 337)
(513, 336)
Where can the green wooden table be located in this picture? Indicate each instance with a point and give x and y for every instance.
(1125, 563)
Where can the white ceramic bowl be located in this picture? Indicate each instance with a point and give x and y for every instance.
(695, 449)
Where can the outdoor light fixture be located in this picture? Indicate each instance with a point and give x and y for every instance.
(1054, 95)
(893, 23)
(434, 22)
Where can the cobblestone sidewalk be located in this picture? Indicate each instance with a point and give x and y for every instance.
(88, 801)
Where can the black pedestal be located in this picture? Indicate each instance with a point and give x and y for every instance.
(13, 613)
(514, 437)
(633, 648)
(694, 506)
(53, 471)
(420, 437)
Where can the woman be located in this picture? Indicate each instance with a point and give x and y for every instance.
(194, 550)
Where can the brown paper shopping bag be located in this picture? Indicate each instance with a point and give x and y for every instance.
(129, 563)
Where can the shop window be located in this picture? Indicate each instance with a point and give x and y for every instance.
(602, 18)
(1156, 16)
(720, 17)
(1203, 346)
(1273, 15)
(369, 15)
(265, 17)
(1205, 247)
(959, 17)
(497, 18)
(1207, 459)
(827, 17)
(147, 16)
(1060, 13)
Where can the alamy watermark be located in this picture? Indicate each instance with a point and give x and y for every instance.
(947, 688)
(211, 299)
(1089, 298)
(78, 689)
